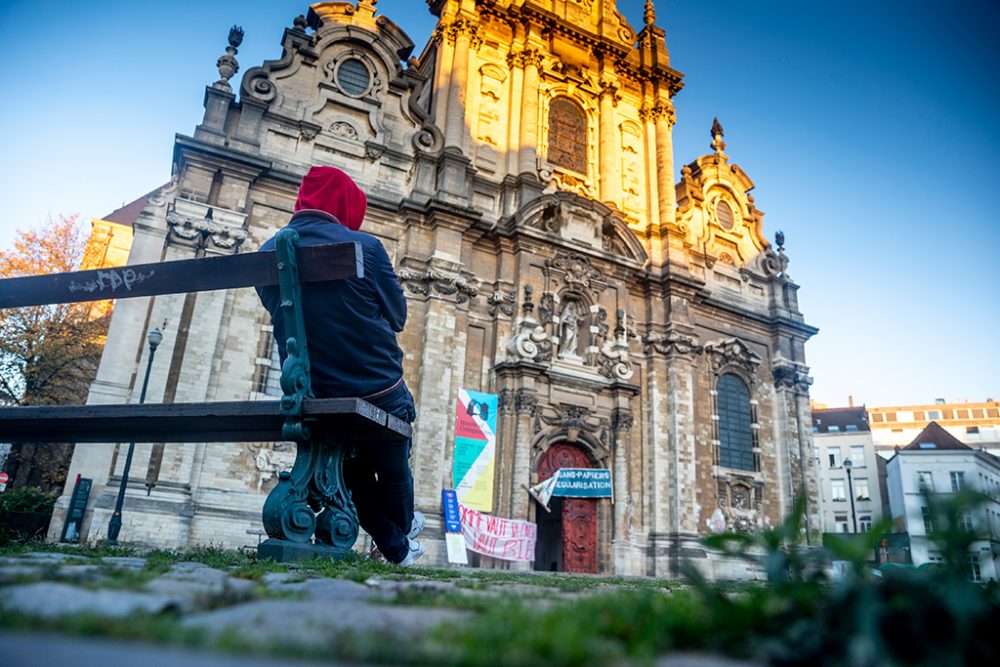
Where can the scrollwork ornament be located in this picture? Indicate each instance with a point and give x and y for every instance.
(525, 402)
(576, 270)
(501, 301)
(732, 352)
(622, 419)
(671, 344)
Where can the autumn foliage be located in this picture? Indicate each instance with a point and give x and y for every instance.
(48, 354)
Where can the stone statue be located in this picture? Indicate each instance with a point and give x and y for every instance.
(569, 331)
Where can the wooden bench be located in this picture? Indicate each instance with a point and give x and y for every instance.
(310, 511)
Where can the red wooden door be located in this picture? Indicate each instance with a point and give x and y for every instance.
(579, 515)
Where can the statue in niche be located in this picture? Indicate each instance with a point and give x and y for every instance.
(569, 331)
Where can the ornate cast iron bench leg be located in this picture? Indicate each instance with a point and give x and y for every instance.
(311, 500)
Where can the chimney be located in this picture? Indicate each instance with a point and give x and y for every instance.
(850, 401)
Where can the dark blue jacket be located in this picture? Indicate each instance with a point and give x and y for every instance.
(351, 324)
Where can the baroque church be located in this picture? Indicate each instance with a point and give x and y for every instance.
(520, 174)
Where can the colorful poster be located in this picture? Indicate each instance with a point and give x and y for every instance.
(507, 539)
(475, 449)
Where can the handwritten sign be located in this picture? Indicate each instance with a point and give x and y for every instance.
(506, 539)
(111, 280)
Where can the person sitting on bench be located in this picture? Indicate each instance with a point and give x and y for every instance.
(351, 328)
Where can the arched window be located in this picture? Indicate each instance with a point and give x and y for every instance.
(735, 433)
(567, 135)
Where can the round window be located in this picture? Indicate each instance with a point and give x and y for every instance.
(353, 77)
(724, 214)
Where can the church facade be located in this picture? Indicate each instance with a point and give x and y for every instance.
(520, 173)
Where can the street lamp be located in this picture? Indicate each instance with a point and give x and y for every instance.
(154, 338)
(848, 464)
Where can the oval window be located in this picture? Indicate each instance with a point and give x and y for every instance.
(353, 77)
(724, 214)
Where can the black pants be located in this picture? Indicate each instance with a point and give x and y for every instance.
(381, 483)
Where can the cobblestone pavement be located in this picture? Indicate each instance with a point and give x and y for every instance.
(248, 613)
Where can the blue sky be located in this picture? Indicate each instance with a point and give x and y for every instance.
(869, 129)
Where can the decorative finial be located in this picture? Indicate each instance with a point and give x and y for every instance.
(779, 240)
(227, 64)
(718, 145)
(649, 15)
(300, 22)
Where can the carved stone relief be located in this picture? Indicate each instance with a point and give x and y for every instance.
(199, 225)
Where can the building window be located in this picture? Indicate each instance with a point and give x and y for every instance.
(878, 417)
(724, 214)
(890, 416)
(851, 427)
(833, 429)
(971, 430)
(841, 521)
(567, 135)
(925, 481)
(965, 522)
(957, 480)
(833, 454)
(353, 77)
(975, 573)
(733, 410)
(858, 457)
(267, 373)
(861, 489)
(928, 523)
(934, 415)
(837, 490)
(865, 523)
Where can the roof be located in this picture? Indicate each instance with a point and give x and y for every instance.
(841, 418)
(129, 213)
(935, 438)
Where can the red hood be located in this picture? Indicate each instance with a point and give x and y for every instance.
(330, 190)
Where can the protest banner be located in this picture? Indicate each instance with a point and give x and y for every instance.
(506, 539)
(573, 483)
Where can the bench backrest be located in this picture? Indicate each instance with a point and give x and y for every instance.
(315, 264)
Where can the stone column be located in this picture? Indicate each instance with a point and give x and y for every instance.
(456, 124)
(528, 154)
(671, 392)
(610, 162)
(516, 65)
(664, 116)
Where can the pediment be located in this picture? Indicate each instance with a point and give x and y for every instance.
(569, 217)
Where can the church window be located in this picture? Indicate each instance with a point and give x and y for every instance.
(267, 370)
(724, 214)
(567, 135)
(353, 77)
(735, 432)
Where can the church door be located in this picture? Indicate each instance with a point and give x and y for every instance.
(572, 526)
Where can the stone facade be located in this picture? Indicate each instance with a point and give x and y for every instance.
(520, 175)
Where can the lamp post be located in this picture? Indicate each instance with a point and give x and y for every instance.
(154, 338)
(848, 464)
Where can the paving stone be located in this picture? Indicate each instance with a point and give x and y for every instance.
(53, 558)
(332, 589)
(316, 623)
(52, 600)
(125, 562)
(198, 587)
(278, 578)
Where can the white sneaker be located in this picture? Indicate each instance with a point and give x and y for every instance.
(419, 520)
(416, 551)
